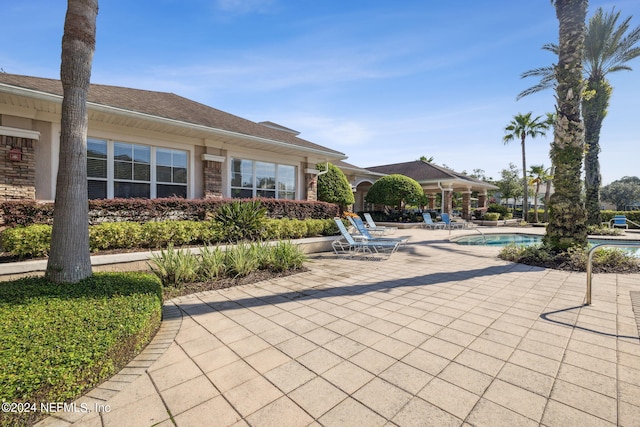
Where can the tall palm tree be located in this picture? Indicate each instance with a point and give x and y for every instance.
(537, 175)
(608, 48)
(520, 127)
(69, 260)
(547, 193)
(567, 219)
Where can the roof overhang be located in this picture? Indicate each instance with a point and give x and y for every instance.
(51, 103)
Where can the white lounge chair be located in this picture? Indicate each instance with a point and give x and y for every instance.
(372, 225)
(428, 222)
(366, 235)
(349, 246)
(357, 223)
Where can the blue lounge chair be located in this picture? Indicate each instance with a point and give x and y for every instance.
(448, 223)
(372, 225)
(618, 221)
(347, 245)
(364, 232)
(428, 222)
(357, 223)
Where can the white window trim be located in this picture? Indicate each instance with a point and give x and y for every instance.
(152, 183)
(254, 185)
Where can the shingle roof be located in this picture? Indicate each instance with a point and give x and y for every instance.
(423, 171)
(166, 105)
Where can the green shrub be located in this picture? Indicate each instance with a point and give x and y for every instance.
(491, 216)
(35, 240)
(240, 260)
(61, 340)
(287, 256)
(292, 229)
(574, 259)
(241, 221)
(174, 267)
(502, 210)
(333, 186)
(598, 230)
(212, 263)
(315, 227)
(27, 242)
(115, 235)
(158, 234)
(330, 228)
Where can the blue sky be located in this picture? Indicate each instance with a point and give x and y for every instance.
(382, 81)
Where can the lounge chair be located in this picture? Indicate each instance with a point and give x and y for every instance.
(365, 233)
(618, 221)
(357, 223)
(347, 245)
(448, 223)
(372, 225)
(428, 222)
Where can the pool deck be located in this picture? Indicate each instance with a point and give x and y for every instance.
(437, 335)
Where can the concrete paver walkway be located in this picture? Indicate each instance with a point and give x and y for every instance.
(438, 335)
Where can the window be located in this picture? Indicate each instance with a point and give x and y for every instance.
(97, 168)
(119, 169)
(171, 173)
(251, 178)
(131, 170)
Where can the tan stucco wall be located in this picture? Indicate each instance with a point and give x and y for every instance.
(46, 149)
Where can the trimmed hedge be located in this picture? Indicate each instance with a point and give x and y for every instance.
(60, 340)
(27, 212)
(35, 240)
(631, 215)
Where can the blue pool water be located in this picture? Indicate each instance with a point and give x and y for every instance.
(500, 240)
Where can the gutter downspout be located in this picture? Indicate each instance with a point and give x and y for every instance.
(442, 200)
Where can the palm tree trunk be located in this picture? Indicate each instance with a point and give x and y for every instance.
(69, 259)
(567, 219)
(547, 196)
(535, 202)
(594, 110)
(525, 183)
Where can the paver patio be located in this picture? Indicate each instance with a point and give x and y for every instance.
(438, 335)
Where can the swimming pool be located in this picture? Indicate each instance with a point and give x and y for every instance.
(500, 240)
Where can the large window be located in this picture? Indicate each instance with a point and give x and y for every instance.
(251, 178)
(119, 169)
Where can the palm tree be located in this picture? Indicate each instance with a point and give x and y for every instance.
(538, 175)
(547, 193)
(608, 48)
(69, 260)
(567, 219)
(520, 127)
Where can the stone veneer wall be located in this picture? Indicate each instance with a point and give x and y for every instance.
(17, 178)
(212, 179)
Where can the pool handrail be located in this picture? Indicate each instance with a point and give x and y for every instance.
(590, 259)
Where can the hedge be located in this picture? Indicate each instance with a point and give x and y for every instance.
(28, 212)
(60, 340)
(631, 215)
(35, 240)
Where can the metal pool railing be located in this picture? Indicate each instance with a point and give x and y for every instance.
(590, 259)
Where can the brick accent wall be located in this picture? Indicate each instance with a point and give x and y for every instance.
(311, 182)
(466, 204)
(212, 180)
(17, 178)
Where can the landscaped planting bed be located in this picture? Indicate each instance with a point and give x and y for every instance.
(59, 340)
